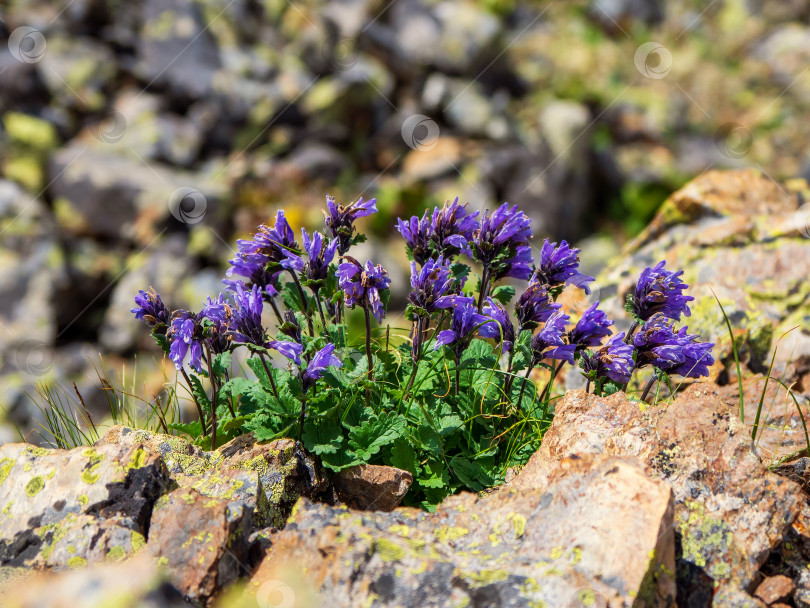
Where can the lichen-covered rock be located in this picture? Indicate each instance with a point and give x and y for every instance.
(201, 541)
(372, 487)
(573, 541)
(736, 233)
(730, 511)
(269, 478)
(137, 583)
(63, 508)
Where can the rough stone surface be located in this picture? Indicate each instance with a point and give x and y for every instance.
(137, 583)
(775, 589)
(574, 540)
(68, 508)
(269, 478)
(730, 512)
(372, 487)
(201, 541)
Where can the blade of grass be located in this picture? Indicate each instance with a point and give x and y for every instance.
(765, 388)
(736, 355)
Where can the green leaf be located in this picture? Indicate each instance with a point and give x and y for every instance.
(221, 364)
(322, 436)
(434, 475)
(478, 354)
(292, 297)
(523, 353)
(199, 392)
(503, 294)
(375, 432)
(192, 429)
(403, 456)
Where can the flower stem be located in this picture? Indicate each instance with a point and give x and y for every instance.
(197, 403)
(304, 301)
(269, 376)
(551, 380)
(523, 387)
(484, 287)
(274, 306)
(587, 386)
(648, 387)
(320, 311)
(214, 396)
(301, 418)
(368, 344)
(629, 337)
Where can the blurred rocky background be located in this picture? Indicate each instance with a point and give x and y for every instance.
(140, 138)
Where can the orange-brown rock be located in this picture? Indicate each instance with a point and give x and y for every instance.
(372, 487)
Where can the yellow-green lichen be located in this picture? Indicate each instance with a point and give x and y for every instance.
(450, 533)
(76, 562)
(116, 554)
(388, 550)
(6, 464)
(35, 485)
(138, 542)
(83, 500)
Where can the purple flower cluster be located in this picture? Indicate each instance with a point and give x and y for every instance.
(498, 325)
(660, 291)
(501, 243)
(320, 252)
(340, 220)
(535, 305)
(151, 309)
(444, 234)
(591, 328)
(549, 342)
(658, 344)
(613, 361)
(316, 367)
(185, 335)
(559, 265)
(362, 285)
(463, 326)
(429, 286)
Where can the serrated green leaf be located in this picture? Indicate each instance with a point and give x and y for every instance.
(403, 456)
(374, 432)
(322, 436)
(503, 294)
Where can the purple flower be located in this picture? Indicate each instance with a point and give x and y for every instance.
(261, 259)
(501, 243)
(548, 343)
(321, 252)
(317, 366)
(340, 219)
(246, 323)
(559, 265)
(429, 286)
(465, 321)
(499, 325)
(452, 228)
(591, 328)
(534, 305)
(220, 313)
(185, 336)
(417, 234)
(697, 358)
(291, 327)
(362, 285)
(658, 344)
(291, 350)
(660, 291)
(151, 309)
(613, 361)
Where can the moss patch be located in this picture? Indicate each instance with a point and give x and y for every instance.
(34, 486)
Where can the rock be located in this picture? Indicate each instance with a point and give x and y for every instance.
(66, 508)
(371, 487)
(175, 48)
(737, 234)
(201, 541)
(575, 539)
(730, 511)
(269, 478)
(136, 583)
(775, 589)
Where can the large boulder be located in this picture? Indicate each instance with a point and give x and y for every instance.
(571, 543)
(730, 511)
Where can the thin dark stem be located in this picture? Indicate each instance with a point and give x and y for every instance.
(301, 418)
(368, 343)
(274, 306)
(551, 380)
(587, 386)
(523, 387)
(648, 387)
(508, 382)
(320, 311)
(197, 403)
(484, 287)
(628, 339)
(214, 397)
(303, 301)
(458, 376)
(269, 376)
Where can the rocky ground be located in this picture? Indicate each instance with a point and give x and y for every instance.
(625, 504)
(139, 139)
